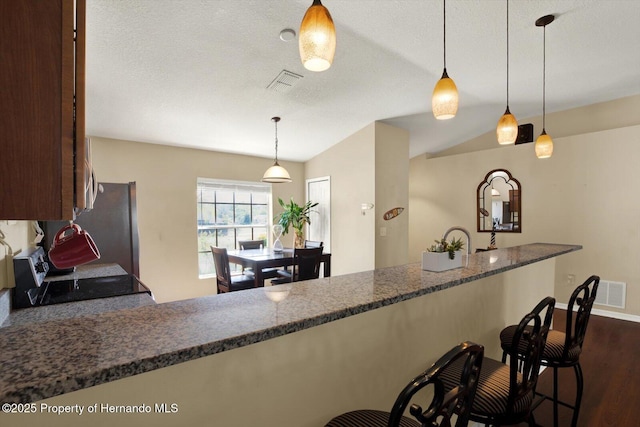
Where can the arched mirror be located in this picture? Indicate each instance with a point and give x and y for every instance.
(500, 203)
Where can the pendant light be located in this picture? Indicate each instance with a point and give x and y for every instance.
(317, 39)
(544, 143)
(444, 101)
(276, 173)
(507, 129)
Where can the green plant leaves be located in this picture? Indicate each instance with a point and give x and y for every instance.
(294, 215)
(443, 246)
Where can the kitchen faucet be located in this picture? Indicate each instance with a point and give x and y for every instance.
(466, 233)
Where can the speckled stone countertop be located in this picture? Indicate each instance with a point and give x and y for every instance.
(70, 310)
(47, 359)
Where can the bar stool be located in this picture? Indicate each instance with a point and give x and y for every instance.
(563, 348)
(505, 393)
(443, 404)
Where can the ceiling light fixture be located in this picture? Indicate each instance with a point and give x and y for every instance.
(317, 38)
(507, 129)
(444, 101)
(544, 143)
(276, 173)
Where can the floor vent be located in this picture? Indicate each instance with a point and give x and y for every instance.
(284, 82)
(612, 294)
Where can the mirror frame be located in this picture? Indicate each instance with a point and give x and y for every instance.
(513, 183)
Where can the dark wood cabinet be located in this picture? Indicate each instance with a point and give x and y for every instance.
(42, 109)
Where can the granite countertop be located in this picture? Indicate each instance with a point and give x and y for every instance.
(47, 359)
(69, 310)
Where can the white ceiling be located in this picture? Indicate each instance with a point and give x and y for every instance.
(195, 72)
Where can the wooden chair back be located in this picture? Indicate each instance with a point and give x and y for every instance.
(251, 244)
(223, 270)
(306, 263)
(313, 244)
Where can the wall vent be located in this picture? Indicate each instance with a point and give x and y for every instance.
(612, 294)
(284, 82)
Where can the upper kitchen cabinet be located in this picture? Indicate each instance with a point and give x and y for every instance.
(42, 136)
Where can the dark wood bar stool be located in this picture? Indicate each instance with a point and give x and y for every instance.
(459, 398)
(563, 349)
(505, 393)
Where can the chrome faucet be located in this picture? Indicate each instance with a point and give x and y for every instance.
(466, 233)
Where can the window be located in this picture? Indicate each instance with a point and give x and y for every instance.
(229, 211)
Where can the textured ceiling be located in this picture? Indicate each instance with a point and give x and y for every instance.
(195, 73)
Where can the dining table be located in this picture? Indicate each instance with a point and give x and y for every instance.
(257, 259)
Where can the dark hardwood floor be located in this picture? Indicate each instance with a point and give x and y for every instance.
(610, 363)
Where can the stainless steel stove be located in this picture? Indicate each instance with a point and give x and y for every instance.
(32, 289)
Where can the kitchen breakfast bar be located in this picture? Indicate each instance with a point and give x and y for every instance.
(289, 355)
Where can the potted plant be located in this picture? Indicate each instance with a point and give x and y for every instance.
(443, 255)
(295, 216)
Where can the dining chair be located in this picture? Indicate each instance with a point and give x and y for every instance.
(306, 266)
(225, 281)
(563, 349)
(250, 244)
(286, 273)
(443, 403)
(505, 393)
(267, 273)
(313, 244)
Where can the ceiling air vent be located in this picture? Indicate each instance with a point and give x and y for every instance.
(284, 82)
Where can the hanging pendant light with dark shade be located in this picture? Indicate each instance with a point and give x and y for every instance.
(544, 143)
(276, 173)
(317, 38)
(444, 101)
(507, 129)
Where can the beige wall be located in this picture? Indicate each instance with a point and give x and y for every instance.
(584, 194)
(16, 234)
(166, 195)
(392, 190)
(351, 166)
(370, 166)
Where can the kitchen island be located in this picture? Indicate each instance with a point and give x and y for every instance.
(290, 355)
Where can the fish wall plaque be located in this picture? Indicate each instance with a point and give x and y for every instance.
(392, 213)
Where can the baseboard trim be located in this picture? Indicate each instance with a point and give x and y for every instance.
(607, 313)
